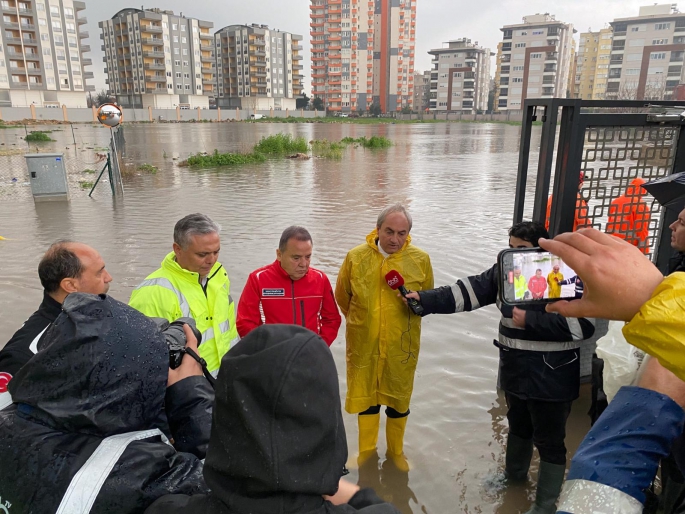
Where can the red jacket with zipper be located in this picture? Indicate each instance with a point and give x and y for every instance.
(271, 296)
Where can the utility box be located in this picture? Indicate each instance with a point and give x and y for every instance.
(48, 176)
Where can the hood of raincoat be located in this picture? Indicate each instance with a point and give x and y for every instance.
(101, 369)
(278, 440)
(635, 189)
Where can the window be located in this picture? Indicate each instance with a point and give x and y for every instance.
(174, 26)
(538, 32)
(517, 79)
(178, 74)
(659, 41)
(177, 63)
(536, 56)
(177, 51)
(42, 22)
(54, 10)
(185, 51)
(662, 26)
(183, 28)
(56, 25)
(165, 25)
(184, 40)
(175, 39)
(44, 37)
(520, 45)
(518, 68)
(179, 86)
(40, 6)
(523, 33)
(187, 86)
(186, 75)
(185, 63)
(658, 55)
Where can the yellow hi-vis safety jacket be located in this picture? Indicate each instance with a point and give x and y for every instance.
(383, 335)
(172, 292)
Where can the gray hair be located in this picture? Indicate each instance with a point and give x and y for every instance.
(293, 232)
(398, 207)
(194, 225)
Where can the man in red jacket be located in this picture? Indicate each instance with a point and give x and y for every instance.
(537, 285)
(289, 291)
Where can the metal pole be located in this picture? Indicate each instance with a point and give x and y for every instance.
(119, 180)
(100, 176)
(72, 133)
(28, 143)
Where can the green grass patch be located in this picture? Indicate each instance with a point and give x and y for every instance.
(222, 159)
(374, 142)
(88, 170)
(86, 185)
(147, 168)
(281, 144)
(327, 149)
(38, 136)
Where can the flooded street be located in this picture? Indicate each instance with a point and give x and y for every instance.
(457, 180)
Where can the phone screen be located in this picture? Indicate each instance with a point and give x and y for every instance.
(533, 275)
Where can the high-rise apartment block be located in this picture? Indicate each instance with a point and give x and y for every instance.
(258, 68)
(647, 54)
(460, 77)
(592, 64)
(535, 61)
(422, 86)
(41, 55)
(157, 59)
(363, 52)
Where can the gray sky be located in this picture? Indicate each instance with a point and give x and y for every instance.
(437, 20)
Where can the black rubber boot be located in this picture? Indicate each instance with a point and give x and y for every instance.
(550, 480)
(517, 460)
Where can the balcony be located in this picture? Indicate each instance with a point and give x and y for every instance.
(10, 24)
(259, 73)
(85, 49)
(257, 42)
(82, 21)
(151, 29)
(28, 26)
(9, 8)
(207, 69)
(87, 62)
(88, 75)
(206, 48)
(551, 56)
(19, 85)
(155, 78)
(259, 53)
(154, 66)
(297, 47)
(84, 35)
(206, 35)
(550, 69)
(206, 80)
(206, 58)
(149, 15)
(152, 54)
(30, 42)
(152, 41)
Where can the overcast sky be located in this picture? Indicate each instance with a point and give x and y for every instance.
(437, 20)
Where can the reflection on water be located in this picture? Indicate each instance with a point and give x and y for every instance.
(457, 180)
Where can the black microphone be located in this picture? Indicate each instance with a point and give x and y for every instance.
(396, 283)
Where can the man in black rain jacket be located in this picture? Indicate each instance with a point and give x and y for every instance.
(88, 429)
(539, 369)
(278, 441)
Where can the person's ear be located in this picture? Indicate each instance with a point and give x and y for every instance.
(69, 285)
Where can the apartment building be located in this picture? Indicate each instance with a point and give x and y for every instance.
(535, 61)
(41, 54)
(363, 53)
(647, 54)
(422, 83)
(460, 77)
(158, 59)
(592, 64)
(258, 68)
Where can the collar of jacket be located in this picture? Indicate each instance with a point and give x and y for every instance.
(50, 307)
(169, 264)
(371, 241)
(279, 269)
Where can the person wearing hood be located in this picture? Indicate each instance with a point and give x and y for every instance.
(290, 291)
(94, 412)
(629, 216)
(67, 267)
(383, 335)
(278, 444)
(580, 217)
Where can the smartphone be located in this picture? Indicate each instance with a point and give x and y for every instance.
(534, 276)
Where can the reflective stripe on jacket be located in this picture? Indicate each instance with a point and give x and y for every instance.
(271, 296)
(172, 292)
(383, 336)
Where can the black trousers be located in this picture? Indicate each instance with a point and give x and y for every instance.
(543, 422)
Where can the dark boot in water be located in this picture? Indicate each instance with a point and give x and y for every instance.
(518, 457)
(550, 480)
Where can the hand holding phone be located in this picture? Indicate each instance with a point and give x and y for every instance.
(532, 276)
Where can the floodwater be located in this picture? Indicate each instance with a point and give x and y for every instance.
(457, 179)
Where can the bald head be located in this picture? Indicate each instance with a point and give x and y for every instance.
(70, 267)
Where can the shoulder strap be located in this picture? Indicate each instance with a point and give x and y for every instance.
(86, 484)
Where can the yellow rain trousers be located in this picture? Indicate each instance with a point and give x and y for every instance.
(659, 327)
(382, 333)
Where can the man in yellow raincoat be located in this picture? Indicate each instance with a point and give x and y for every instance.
(383, 335)
(553, 281)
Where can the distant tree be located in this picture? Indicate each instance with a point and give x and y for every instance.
(302, 102)
(491, 99)
(361, 111)
(375, 109)
(317, 104)
(103, 97)
(406, 109)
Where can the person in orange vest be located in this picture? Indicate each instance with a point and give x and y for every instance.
(629, 216)
(580, 218)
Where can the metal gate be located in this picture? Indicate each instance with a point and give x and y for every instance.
(612, 143)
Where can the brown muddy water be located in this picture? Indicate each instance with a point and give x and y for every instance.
(457, 179)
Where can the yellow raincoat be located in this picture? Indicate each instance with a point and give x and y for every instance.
(554, 286)
(659, 327)
(382, 333)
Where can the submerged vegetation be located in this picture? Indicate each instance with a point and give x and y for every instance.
(279, 145)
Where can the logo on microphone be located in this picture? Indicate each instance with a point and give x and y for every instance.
(393, 281)
(4, 380)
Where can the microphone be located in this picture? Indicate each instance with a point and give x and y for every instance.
(396, 283)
